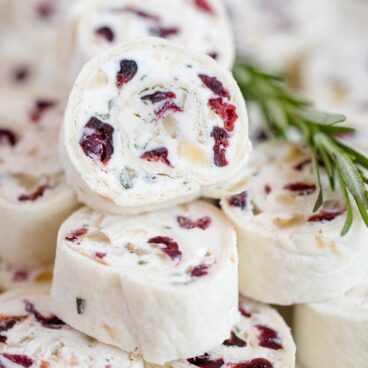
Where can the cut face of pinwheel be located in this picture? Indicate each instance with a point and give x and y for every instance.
(150, 124)
(32, 337)
(161, 284)
(287, 253)
(33, 194)
(12, 277)
(277, 33)
(199, 24)
(334, 333)
(259, 339)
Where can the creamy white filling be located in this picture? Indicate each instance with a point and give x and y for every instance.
(58, 346)
(248, 335)
(181, 21)
(154, 246)
(281, 197)
(28, 146)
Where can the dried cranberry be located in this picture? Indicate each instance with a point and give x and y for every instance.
(159, 96)
(159, 154)
(171, 248)
(106, 33)
(244, 312)
(239, 200)
(8, 136)
(235, 341)
(44, 9)
(254, 363)
(75, 235)
(267, 189)
(300, 166)
(213, 55)
(21, 74)
(100, 255)
(51, 322)
(214, 85)
(138, 12)
(167, 107)
(226, 111)
(221, 143)
(199, 271)
(301, 188)
(186, 223)
(39, 192)
(40, 107)
(204, 361)
(22, 360)
(8, 324)
(268, 338)
(128, 70)
(164, 32)
(325, 216)
(204, 6)
(20, 275)
(96, 140)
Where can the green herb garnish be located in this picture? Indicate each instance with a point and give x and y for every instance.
(284, 111)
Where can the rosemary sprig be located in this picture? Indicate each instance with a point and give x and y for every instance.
(283, 111)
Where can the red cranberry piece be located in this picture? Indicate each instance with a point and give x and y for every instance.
(301, 189)
(157, 155)
(239, 201)
(22, 360)
(171, 247)
(7, 136)
(128, 70)
(21, 74)
(203, 223)
(44, 9)
(267, 189)
(268, 338)
(38, 193)
(300, 166)
(167, 108)
(244, 312)
(106, 33)
(199, 271)
(159, 96)
(8, 324)
(204, 6)
(51, 322)
(214, 85)
(213, 54)
(75, 235)
(100, 255)
(138, 12)
(235, 341)
(325, 216)
(186, 223)
(164, 32)
(20, 275)
(254, 363)
(226, 111)
(40, 107)
(96, 140)
(221, 143)
(204, 361)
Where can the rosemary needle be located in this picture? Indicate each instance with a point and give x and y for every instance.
(283, 110)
